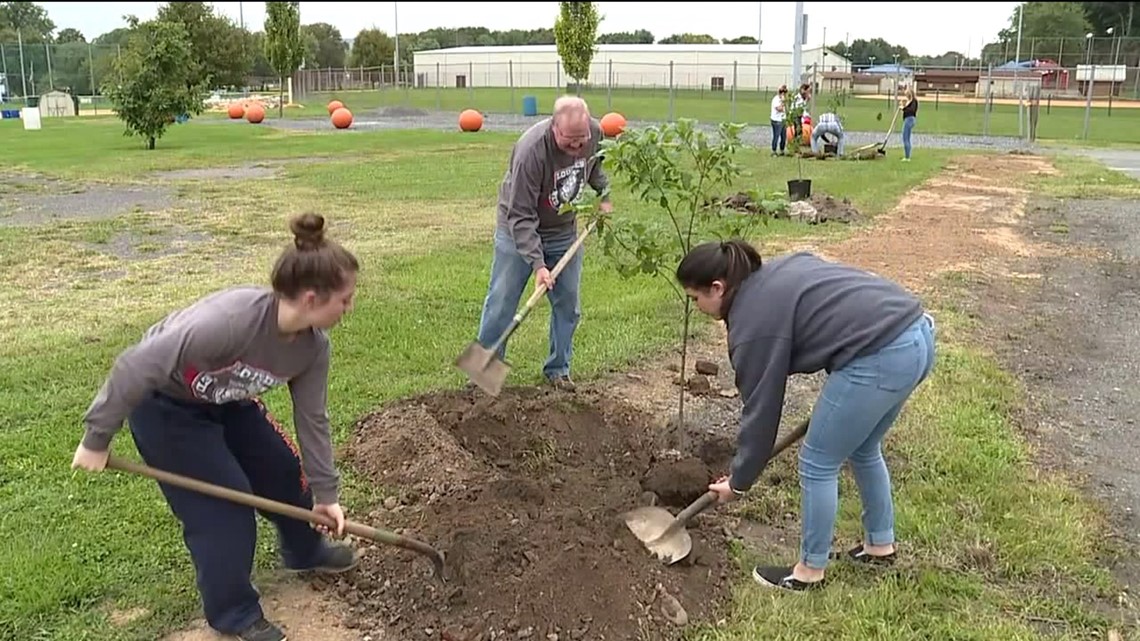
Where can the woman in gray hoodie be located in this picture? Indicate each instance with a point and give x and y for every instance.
(799, 314)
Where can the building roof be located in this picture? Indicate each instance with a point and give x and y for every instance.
(607, 48)
(890, 68)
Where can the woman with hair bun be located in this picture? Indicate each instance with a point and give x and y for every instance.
(190, 389)
(799, 314)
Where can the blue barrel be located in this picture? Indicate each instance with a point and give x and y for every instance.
(530, 106)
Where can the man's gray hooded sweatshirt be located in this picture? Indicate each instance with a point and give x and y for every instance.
(799, 314)
(540, 179)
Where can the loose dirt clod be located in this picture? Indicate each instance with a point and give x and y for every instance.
(524, 494)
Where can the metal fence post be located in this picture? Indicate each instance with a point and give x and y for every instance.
(610, 85)
(986, 104)
(1088, 98)
(734, 76)
(511, 80)
(471, 81)
(671, 91)
(438, 89)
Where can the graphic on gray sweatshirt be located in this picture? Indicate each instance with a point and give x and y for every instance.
(225, 347)
(799, 314)
(540, 179)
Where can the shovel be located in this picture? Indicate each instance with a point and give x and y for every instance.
(481, 363)
(261, 503)
(665, 535)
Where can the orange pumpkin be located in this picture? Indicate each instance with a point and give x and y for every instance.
(236, 110)
(334, 105)
(470, 120)
(612, 124)
(342, 118)
(255, 113)
(805, 132)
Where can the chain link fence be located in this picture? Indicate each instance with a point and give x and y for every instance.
(1029, 101)
(1076, 89)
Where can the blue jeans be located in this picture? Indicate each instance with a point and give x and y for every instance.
(236, 445)
(908, 126)
(779, 134)
(857, 406)
(827, 128)
(510, 274)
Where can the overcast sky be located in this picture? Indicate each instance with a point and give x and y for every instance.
(928, 28)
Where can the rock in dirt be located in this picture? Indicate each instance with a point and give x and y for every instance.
(708, 368)
(530, 490)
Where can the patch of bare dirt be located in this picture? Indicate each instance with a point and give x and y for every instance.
(33, 199)
(244, 172)
(134, 246)
(304, 614)
(963, 219)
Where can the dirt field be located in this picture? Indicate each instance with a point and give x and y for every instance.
(525, 491)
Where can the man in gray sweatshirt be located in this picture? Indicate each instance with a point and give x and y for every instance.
(548, 168)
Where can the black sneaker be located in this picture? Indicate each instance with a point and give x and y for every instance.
(562, 382)
(262, 630)
(782, 578)
(858, 555)
(336, 557)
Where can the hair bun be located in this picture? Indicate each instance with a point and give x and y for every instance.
(308, 231)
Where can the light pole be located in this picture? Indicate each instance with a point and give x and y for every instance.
(396, 37)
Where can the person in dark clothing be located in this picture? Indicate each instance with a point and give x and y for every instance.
(909, 107)
(190, 391)
(799, 314)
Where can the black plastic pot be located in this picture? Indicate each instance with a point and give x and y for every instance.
(799, 189)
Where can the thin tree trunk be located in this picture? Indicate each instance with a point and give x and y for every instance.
(684, 358)
(281, 98)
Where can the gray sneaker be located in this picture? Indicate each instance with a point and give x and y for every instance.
(562, 382)
(336, 557)
(262, 630)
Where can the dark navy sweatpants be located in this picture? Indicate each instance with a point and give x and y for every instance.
(236, 445)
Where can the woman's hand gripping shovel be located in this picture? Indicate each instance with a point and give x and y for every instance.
(482, 364)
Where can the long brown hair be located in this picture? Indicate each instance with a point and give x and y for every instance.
(730, 261)
(312, 262)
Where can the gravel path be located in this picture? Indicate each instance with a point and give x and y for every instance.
(1074, 340)
(757, 134)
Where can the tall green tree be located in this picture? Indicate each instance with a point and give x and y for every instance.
(156, 68)
(29, 18)
(222, 57)
(575, 34)
(284, 46)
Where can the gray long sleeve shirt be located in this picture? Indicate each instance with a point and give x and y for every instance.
(225, 347)
(800, 314)
(540, 178)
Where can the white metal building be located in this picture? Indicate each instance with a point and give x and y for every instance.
(695, 67)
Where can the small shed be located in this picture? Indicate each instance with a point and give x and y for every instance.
(55, 104)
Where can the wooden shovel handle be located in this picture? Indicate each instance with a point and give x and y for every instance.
(276, 507)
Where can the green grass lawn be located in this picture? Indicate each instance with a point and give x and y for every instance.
(418, 208)
(1061, 123)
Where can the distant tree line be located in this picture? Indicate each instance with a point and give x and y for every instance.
(230, 56)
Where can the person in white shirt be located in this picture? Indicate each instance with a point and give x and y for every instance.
(779, 129)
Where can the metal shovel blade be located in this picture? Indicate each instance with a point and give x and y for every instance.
(651, 525)
(483, 368)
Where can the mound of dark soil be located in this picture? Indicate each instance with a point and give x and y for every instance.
(524, 493)
(831, 209)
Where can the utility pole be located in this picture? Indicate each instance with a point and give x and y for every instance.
(396, 35)
(797, 46)
(759, 43)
